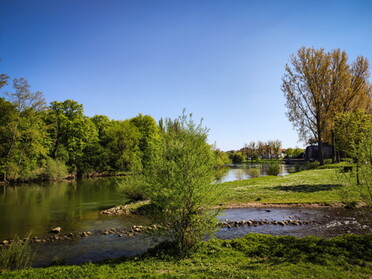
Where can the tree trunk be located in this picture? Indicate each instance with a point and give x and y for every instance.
(320, 151)
(357, 173)
(334, 155)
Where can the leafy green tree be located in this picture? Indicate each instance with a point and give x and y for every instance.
(179, 180)
(236, 157)
(149, 132)
(293, 152)
(123, 145)
(27, 141)
(351, 130)
(221, 161)
(7, 115)
(102, 123)
(71, 133)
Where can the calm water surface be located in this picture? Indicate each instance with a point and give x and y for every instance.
(241, 171)
(37, 208)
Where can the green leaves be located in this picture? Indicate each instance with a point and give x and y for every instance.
(179, 180)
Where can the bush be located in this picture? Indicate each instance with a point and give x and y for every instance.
(298, 168)
(55, 170)
(237, 158)
(254, 172)
(273, 169)
(179, 180)
(17, 255)
(312, 165)
(131, 189)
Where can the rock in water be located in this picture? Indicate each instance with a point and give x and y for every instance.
(56, 230)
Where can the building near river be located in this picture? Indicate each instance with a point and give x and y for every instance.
(312, 152)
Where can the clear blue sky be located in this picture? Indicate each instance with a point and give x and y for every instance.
(221, 60)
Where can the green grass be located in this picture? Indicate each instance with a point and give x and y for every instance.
(253, 256)
(17, 255)
(325, 186)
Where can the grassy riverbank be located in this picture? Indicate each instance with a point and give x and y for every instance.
(317, 186)
(253, 256)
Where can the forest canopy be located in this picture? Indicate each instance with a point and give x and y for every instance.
(39, 141)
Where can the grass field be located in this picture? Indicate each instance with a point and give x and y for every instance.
(253, 256)
(325, 186)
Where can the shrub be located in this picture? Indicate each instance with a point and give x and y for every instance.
(237, 158)
(179, 180)
(312, 165)
(273, 169)
(298, 168)
(17, 255)
(254, 172)
(131, 189)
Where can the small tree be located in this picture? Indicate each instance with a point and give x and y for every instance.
(352, 133)
(179, 184)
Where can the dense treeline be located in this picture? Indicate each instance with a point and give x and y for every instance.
(51, 142)
(271, 149)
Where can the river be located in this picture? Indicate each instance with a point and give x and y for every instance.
(75, 206)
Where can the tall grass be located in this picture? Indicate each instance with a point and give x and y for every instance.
(17, 255)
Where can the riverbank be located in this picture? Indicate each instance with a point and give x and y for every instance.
(305, 189)
(68, 178)
(252, 256)
(325, 187)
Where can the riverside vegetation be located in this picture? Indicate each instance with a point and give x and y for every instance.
(253, 256)
(41, 142)
(52, 142)
(256, 256)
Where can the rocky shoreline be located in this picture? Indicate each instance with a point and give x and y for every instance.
(127, 209)
(133, 208)
(136, 229)
(57, 236)
(282, 205)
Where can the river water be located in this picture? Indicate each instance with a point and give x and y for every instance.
(242, 171)
(76, 206)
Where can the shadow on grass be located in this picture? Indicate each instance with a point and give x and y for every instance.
(305, 188)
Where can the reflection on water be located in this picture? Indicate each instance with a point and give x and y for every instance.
(38, 207)
(97, 247)
(244, 171)
(42, 206)
(329, 222)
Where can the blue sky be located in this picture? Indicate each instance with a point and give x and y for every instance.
(220, 60)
